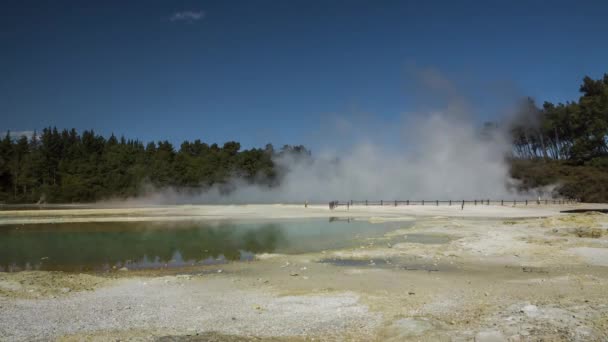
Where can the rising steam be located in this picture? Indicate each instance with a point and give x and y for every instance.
(435, 155)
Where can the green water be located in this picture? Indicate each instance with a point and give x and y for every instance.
(137, 245)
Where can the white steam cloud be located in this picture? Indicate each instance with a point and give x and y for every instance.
(442, 158)
(436, 155)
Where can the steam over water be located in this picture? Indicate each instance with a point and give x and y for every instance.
(441, 158)
(435, 155)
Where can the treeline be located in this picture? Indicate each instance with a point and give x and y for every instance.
(565, 144)
(575, 131)
(559, 144)
(66, 167)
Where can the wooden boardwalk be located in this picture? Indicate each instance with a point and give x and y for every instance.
(462, 203)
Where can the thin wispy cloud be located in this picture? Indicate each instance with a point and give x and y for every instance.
(188, 16)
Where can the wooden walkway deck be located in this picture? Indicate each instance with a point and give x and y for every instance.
(462, 203)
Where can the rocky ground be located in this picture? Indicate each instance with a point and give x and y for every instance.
(449, 278)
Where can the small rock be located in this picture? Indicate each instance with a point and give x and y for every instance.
(220, 271)
(303, 268)
(293, 274)
(123, 269)
(65, 289)
(411, 293)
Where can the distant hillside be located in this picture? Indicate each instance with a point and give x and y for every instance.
(587, 182)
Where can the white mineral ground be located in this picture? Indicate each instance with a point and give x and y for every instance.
(506, 274)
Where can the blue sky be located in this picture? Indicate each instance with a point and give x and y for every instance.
(274, 71)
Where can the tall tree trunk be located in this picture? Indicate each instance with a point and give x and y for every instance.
(557, 144)
(542, 146)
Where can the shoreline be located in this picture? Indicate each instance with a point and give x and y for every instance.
(277, 211)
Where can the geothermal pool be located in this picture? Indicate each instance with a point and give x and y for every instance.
(103, 246)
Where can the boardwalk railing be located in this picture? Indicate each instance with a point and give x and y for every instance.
(462, 203)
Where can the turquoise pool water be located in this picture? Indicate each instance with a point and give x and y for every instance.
(137, 245)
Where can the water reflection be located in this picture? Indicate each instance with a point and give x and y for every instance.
(96, 246)
(102, 246)
(339, 219)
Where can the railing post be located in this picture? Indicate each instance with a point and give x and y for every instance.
(475, 202)
(488, 202)
(502, 202)
(437, 202)
(366, 203)
(514, 202)
(450, 202)
(381, 203)
(395, 203)
(407, 202)
(526, 202)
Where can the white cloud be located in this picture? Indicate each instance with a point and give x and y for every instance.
(188, 16)
(18, 134)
